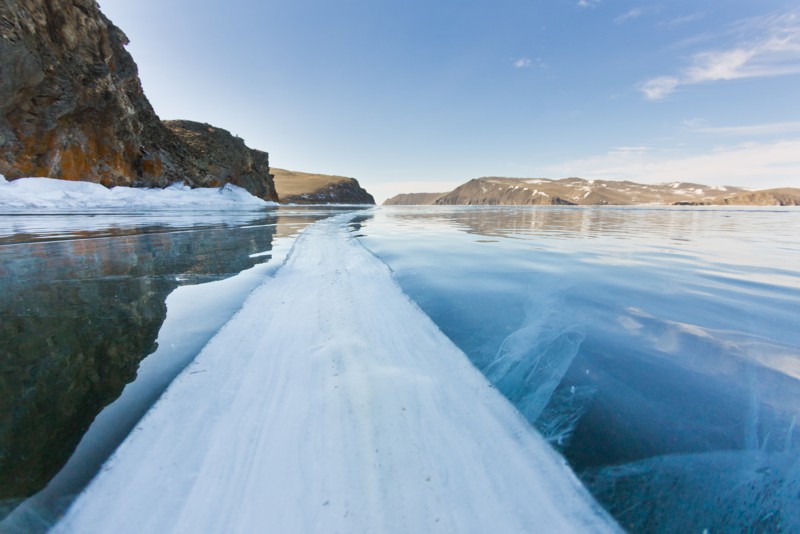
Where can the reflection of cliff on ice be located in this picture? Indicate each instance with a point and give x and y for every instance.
(331, 403)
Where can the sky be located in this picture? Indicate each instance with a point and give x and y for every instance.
(413, 95)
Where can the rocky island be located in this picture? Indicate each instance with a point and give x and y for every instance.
(497, 191)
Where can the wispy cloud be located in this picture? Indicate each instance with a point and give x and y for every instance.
(527, 63)
(588, 3)
(634, 13)
(769, 46)
(658, 88)
(757, 165)
(680, 21)
(523, 63)
(626, 150)
(753, 130)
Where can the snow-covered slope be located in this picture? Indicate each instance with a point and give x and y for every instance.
(52, 194)
(331, 403)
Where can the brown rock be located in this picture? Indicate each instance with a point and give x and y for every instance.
(72, 106)
(218, 157)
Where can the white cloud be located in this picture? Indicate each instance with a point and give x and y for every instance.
(588, 3)
(658, 88)
(632, 14)
(527, 63)
(773, 128)
(625, 150)
(757, 165)
(523, 63)
(770, 46)
(721, 65)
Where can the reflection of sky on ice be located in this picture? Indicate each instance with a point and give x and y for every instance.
(668, 331)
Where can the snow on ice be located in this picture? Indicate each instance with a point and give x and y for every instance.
(49, 193)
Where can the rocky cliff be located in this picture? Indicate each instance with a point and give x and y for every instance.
(72, 107)
(218, 157)
(577, 191)
(305, 188)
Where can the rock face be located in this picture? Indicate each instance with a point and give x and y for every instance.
(413, 199)
(72, 106)
(305, 188)
(219, 157)
(577, 191)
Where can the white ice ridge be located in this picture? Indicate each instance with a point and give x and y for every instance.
(332, 403)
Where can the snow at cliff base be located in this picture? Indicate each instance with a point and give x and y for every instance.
(332, 403)
(52, 194)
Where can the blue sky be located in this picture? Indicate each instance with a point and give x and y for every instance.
(411, 95)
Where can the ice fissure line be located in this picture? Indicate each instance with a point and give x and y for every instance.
(332, 403)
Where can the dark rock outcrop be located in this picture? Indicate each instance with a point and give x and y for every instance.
(72, 106)
(413, 199)
(305, 188)
(218, 158)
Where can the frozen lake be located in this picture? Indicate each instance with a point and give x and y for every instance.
(657, 349)
(85, 297)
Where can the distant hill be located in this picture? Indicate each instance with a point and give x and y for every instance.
(413, 199)
(578, 191)
(305, 188)
(786, 196)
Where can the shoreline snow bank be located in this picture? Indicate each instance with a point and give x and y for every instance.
(52, 194)
(330, 402)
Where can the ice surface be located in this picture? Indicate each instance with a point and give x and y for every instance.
(195, 313)
(49, 193)
(563, 413)
(691, 350)
(330, 402)
(724, 491)
(532, 361)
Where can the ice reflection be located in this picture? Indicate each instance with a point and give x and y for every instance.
(82, 300)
